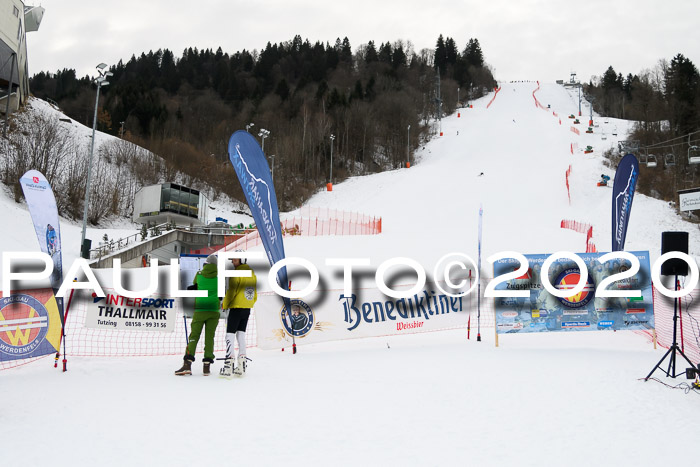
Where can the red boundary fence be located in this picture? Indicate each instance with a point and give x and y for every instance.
(688, 327)
(493, 98)
(568, 190)
(583, 228)
(314, 222)
(537, 102)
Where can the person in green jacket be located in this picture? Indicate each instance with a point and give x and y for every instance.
(240, 297)
(206, 315)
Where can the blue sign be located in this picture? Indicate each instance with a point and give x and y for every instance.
(254, 174)
(625, 183)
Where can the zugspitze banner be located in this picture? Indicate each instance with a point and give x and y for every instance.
(584, 311)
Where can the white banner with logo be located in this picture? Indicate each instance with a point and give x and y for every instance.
(328, 315)
(154, 312)
(689, 199)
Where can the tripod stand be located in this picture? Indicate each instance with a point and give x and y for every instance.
(671, 371)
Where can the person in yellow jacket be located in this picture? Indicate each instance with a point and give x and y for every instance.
(240, 297)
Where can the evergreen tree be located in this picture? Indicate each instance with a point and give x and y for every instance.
(682, 81)
(473, 54)
(610, 81)
(385, 53)
(440, 59)
(346, 51)
(398, 58)
(371, 53)
(451, 52)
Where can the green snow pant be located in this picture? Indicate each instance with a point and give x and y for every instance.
(210, 319)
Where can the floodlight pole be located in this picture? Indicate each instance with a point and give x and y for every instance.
(579, 99)
(330, 179)
(101, 81)
(263, 134)
(408, 145)
(273, 168)
(9, 91)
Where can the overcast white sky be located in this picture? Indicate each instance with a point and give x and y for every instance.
(521, 39)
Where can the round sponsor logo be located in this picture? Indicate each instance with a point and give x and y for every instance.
(302, 319)
(568, 279)
(24, 323)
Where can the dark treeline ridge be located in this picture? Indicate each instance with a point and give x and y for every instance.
(665, 103)
(185, 109)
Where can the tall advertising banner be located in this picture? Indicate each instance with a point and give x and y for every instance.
(30, 324)
(42, 208)
(625, 183)
(542, 311)
(254, 174)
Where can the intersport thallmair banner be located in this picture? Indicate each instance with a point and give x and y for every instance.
(254, 174)
(326, 315)
(584, 311)
(116, 312)
(30, 324)
(625, 183)
(42, 208)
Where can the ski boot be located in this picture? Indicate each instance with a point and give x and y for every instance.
(241, 366)
(227, 370)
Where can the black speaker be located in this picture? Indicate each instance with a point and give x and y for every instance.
(674, 241)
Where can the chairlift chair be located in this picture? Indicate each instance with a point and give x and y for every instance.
(693, 155)
(670, 159)
(689, 179)
(651, 161)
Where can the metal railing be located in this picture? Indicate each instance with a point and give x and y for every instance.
(114, 246)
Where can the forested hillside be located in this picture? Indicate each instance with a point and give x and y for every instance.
(185, 108)
(665, 102)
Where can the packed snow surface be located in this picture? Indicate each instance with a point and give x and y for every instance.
(572, 399)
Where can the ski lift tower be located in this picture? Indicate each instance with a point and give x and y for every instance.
(573, 82)
(438, 99)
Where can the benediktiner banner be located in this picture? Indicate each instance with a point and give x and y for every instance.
(328, 315)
